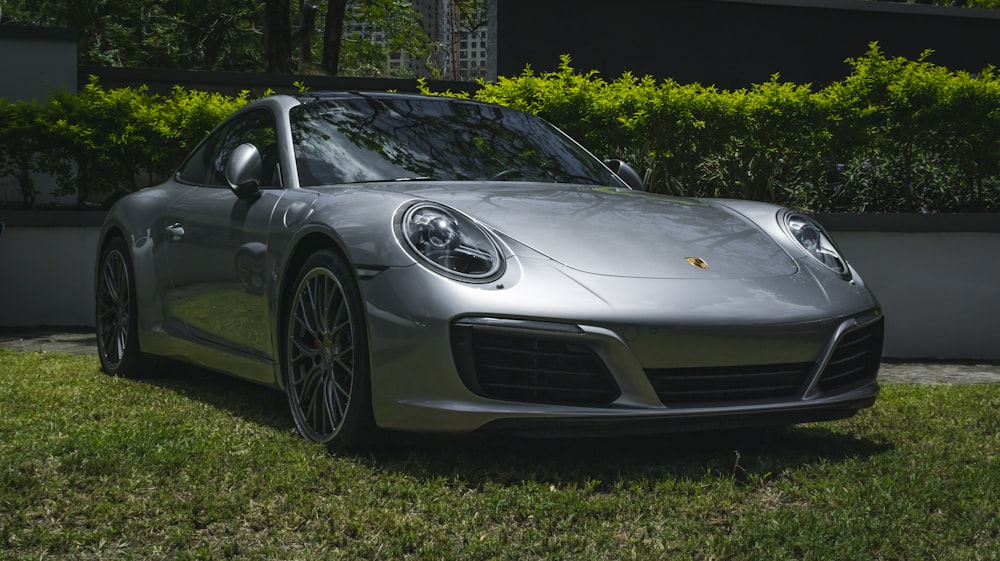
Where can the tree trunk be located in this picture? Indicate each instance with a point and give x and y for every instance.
(333, 35)
(302, 37)
(278, 36)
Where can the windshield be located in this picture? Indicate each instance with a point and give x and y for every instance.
(375, 138)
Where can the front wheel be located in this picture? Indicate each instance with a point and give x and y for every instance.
(117, 312)
(326, 367)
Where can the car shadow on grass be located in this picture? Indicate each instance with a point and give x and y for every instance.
(480, 459)
(749, 455)
(251, 402)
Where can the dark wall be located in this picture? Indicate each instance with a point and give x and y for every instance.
(735, 43)
(35, 62)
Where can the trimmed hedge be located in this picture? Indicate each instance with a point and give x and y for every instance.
(895, 135)
(101, 144)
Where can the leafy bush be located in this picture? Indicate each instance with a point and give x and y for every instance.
(100, 144)
(896, 135)
(18, 145)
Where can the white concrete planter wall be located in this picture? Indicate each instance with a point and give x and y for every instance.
(937, 276)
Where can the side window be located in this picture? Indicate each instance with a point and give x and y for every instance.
(207, 165)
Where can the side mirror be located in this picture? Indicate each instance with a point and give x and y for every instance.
(627, 174)
(244, 172)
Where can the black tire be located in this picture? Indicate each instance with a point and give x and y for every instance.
(116, 312)
(325, 366)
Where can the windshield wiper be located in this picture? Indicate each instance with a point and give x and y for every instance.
(579, 179)
(418, 178)
(394, 179)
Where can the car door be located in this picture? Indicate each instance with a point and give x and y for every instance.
(217, 243)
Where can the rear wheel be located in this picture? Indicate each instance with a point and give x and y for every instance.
(117, 317)
(326, 370)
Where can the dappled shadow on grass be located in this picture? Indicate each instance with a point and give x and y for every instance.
(743, 455)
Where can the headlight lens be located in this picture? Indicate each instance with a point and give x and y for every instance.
(451, 243)
(816, 243)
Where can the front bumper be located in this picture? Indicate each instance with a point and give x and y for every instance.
(454, 358)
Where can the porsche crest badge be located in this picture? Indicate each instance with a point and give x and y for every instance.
(697, 262)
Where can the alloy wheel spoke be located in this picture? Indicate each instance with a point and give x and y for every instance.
(312, 398)
(334, 404)
(110, 283)
(326, 294)
(310, 378)
(339, 328)
(121, 277)
(347, 368)
(339, 320)
(122, 339)
(317, 406)
(341, 391)
(305, 314)
(106, 314)
(109, 337)
(304, 350)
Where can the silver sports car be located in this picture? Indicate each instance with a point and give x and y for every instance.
(417, 263)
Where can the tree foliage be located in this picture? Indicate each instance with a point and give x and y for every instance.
(205, 35)
(363, 50)
(239, 36)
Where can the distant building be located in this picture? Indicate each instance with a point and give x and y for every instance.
(435, 19)
(473, 58)
(457, 55)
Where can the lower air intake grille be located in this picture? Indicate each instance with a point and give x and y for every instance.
(526, 368)
(727, 385)
(856, 359)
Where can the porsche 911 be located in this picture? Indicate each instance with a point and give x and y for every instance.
(398, 262)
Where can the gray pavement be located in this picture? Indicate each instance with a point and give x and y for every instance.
(940, 372)
(83, 341)
(76, 341)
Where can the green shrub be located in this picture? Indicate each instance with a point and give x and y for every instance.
(19, 145)
(100, 144)
(896, 135)
(910, 135)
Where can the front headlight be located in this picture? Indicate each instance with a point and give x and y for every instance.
(816, 243)
(451, 243)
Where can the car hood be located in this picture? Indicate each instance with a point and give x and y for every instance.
(617, 232)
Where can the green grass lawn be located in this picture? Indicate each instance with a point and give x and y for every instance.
(190, 465)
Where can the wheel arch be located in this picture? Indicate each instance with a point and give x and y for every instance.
(109, 233)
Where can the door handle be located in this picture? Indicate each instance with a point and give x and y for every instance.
(175, 232)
